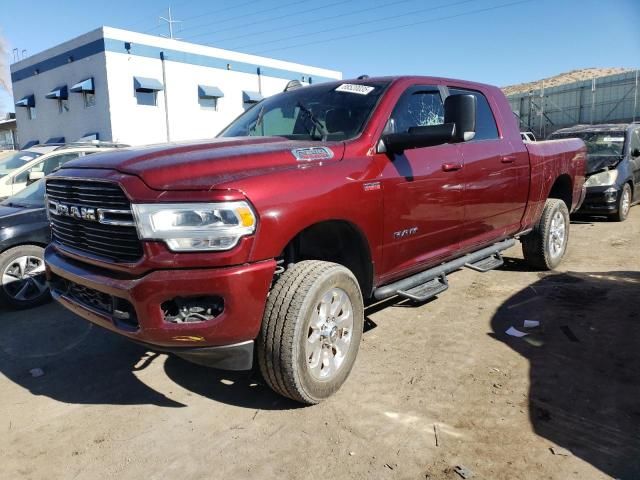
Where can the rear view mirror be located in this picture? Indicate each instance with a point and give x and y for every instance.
(34, 177)
(461, 111)
(635, 152)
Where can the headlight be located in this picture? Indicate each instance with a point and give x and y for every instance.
(602, 179)
(186, 227)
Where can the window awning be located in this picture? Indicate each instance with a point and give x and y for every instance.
(55, 140)
(60, 93)
(30, 144)
(28, 101)
(89, 136)
(84, 86)
(205, 91)
(251, 97)
(143, 84)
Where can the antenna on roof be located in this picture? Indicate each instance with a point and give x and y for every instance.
(170, 21)
(363, 77)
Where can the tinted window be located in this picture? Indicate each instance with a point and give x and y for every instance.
(53, 163)
(635, 140)
(486, 128)
(418, 107)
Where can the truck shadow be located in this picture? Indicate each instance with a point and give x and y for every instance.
(80, 364)
(584, 364)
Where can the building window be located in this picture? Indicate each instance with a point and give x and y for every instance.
(31, 113)
(210, 103)
(147, 98)
(89, 99)
(63, 106)
(208, 97)
(146, 90)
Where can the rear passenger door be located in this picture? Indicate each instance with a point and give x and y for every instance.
(496, 182)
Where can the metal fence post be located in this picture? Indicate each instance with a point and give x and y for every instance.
(635, 98)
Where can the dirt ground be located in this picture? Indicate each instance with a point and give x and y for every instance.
(435, 386)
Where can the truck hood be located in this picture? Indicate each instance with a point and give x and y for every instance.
(205, 165)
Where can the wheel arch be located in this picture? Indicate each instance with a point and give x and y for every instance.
(334, 240)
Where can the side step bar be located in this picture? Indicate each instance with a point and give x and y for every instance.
(421, 284)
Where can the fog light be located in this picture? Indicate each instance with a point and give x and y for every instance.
(610, 195)
(192, 309)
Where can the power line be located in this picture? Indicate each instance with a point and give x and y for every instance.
(272, 19)
(229, 19)
(213, 12)
(422, 22)
(384, 5)
(358, 24)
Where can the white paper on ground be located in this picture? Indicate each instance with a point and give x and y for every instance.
(531, 323)
(514, 332)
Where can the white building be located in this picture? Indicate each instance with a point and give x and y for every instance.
(128, 87)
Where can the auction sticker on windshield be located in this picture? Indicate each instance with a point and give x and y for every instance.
(613, 139)
(353, 88)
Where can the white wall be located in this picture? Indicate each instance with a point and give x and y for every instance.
(141, 124)
(116, 115)
(72, 124)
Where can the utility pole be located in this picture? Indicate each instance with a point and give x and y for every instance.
(170, 21)
(635, 98)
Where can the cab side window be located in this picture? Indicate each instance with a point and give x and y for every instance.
(53, 163)
(635, 140)
(417, 107)
(486, 128)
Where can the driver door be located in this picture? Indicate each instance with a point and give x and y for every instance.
(423, 190)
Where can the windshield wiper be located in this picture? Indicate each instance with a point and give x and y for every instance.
(258, 120)
(317, 123)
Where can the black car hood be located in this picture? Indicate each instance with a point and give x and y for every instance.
(10, 216)
(597, 163)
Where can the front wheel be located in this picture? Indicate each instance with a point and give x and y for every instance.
(545, 246)
(311, 331)
(22, 277)
(624, 204)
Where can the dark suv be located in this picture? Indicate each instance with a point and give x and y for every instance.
(613, 167)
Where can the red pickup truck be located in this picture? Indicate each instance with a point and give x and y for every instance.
(272, 238)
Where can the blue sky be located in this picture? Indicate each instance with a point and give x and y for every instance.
(494, 41)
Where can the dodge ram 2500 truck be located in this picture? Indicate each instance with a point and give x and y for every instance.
(270, 239)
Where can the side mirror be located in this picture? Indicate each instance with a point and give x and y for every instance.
(461, 111)
(635, 152)
(34, 177)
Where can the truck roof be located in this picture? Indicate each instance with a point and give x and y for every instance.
(417, 79)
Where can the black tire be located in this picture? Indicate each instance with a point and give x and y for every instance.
(536, 246)
(623, 211)
(34, 293)
(286, 326)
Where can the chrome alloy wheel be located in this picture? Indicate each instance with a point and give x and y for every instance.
(329, 334)
(625, 202)
(557, 235)
(23, 279)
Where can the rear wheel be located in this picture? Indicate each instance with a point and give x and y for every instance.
(545, 246)
(311, 331)
(624, 204)
(22, 277)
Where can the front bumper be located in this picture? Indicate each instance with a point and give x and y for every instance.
(600, 200)
(132, 306)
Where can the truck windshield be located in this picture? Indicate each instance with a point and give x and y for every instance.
(332, 111)
(610, 143)
(15, 161)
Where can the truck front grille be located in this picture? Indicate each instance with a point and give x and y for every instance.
(93, 217)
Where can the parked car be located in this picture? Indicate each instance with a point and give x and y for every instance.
(527, 136)
(22, 167)
(613, 167)
(24, 232)
(311, 203)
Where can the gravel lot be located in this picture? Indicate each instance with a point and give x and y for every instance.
(435, 386)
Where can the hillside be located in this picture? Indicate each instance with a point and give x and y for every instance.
(563, 78)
